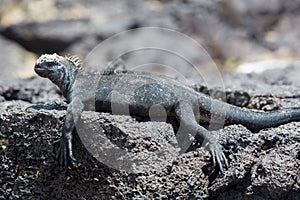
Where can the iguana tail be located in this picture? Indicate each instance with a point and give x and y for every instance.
(255, 120)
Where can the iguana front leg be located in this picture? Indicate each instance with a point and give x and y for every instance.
(188, 124)
(65, 152)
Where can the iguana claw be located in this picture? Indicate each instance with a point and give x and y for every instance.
(64, 153)
(218, 156)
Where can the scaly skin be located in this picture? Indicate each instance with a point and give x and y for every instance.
(138, 92)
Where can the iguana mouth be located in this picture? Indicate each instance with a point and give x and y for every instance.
(42, 71)
(38, 69)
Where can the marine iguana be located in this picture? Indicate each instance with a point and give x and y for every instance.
(143, 90)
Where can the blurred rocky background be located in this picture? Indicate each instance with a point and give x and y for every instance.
(232, 31)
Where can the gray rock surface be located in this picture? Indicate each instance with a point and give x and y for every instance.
(263, 165)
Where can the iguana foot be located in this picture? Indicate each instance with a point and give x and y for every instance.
(218, 156)
(64, 153)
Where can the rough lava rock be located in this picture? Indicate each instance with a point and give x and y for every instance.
(263, 165)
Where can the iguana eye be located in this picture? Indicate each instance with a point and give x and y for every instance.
(59, 66)
(48, 64)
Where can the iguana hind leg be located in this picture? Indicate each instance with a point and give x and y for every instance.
(189, 125)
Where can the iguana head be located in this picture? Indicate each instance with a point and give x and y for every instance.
(60, 70)
(53, 65)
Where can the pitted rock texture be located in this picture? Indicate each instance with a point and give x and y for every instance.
(263, 165)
